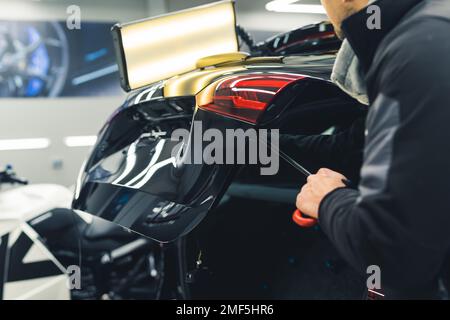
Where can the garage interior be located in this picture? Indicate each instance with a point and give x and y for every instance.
(249, 248)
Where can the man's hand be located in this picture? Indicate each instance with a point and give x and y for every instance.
(317, 187)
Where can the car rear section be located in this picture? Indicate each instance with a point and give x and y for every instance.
(139, 177)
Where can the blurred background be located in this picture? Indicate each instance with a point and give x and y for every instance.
(59, 83)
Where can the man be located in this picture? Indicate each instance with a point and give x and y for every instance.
(399, 218)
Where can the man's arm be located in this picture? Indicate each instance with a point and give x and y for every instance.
(341, 152)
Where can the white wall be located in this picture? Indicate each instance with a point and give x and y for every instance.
(91, 10)
(53, 119)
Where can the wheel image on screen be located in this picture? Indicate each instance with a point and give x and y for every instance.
(34, 59)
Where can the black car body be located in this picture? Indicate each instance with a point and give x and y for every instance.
(132, 177)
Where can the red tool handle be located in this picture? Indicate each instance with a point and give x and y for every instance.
(302, 221)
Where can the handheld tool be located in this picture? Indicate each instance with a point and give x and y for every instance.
(297, 216)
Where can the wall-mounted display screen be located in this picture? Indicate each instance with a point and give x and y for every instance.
(46, 59)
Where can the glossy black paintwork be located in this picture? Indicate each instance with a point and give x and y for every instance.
(309, 39)
(133, 179)
(143, 187)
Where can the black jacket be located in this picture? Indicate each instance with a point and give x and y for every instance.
(399, 219)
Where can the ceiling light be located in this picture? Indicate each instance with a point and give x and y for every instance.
(80, 141)
(292, 7)
(24, 144)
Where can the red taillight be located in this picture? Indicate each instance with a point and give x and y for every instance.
(245, 97)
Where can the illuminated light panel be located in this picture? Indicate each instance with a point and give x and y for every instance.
(80, 141)
(162, 47)
(24, 144)
(290, 6)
